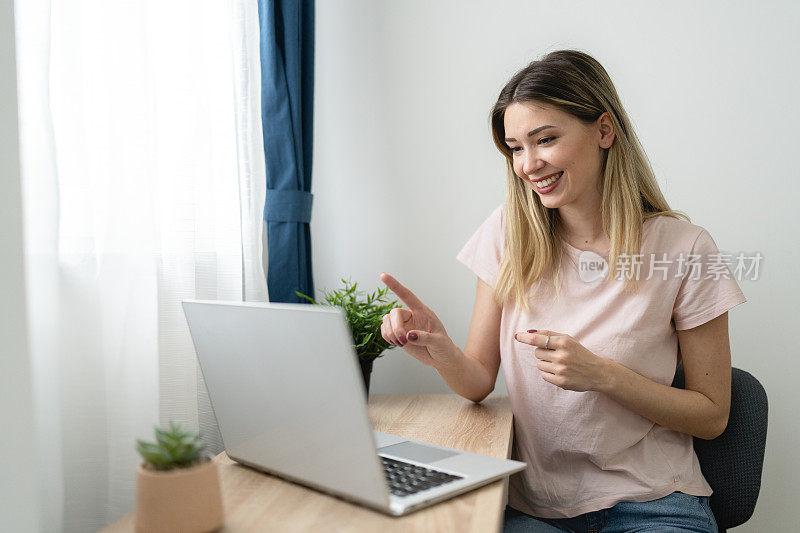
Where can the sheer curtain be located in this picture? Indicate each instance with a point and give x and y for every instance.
(143, 184)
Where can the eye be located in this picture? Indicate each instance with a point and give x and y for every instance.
(543, 140)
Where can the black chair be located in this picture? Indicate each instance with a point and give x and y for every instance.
(732, 463)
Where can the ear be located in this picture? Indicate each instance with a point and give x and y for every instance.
(606, 129)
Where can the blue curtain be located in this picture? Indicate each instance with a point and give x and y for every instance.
(287, 112)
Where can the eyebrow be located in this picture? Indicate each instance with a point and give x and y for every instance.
(531, 133)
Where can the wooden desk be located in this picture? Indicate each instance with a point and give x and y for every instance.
(255, 501)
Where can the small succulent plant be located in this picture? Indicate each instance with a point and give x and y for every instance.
(174, 448)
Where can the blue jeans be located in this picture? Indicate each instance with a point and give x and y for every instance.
(674, 512)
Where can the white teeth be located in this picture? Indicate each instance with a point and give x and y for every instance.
(548, 181)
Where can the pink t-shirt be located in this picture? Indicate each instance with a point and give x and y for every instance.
(585, 451)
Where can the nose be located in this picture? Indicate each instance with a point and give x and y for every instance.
(530, 163)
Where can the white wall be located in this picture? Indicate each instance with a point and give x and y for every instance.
(18, 481)
(405, 170)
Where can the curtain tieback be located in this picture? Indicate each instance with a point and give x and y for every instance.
(288, 206)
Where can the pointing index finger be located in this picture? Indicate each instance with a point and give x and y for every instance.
(403, 293)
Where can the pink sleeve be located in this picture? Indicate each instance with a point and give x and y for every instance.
(707, 290)
(482, 252)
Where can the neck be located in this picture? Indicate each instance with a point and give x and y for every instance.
(584, 226)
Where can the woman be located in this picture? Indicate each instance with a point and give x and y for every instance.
(590, 291)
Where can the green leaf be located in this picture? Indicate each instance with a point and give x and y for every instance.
(174, 447)
(298, 293)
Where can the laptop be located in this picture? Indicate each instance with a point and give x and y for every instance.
(289, 398)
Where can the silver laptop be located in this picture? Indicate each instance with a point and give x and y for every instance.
(289, 398)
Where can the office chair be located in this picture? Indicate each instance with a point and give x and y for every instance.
(732, 463)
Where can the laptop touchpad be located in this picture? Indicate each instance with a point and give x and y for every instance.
(416, 452)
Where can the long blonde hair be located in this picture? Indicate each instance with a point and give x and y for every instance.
(576, 83)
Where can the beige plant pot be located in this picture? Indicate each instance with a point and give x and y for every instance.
(185, 499)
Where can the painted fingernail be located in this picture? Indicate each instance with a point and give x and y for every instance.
(532, 330)
(402, 339)
(412, 336)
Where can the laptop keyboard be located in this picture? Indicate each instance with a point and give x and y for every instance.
(406, 478)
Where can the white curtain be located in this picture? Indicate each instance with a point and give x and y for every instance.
(143, 184)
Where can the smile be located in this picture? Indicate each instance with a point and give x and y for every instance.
(548, 183)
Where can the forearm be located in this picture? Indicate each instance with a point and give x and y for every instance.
(682, 410)
(466, 376)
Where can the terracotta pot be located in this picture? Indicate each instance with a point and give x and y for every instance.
(184, 499)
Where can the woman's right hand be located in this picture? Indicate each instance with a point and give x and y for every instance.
(432, 345)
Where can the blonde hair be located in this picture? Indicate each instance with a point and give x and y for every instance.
(573, 82)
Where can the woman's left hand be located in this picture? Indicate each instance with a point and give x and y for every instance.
(565, 363)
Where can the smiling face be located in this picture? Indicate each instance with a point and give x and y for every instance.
(545, 141)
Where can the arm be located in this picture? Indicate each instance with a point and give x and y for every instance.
(702, 408)
(474, 376)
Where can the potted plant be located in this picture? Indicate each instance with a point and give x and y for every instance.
(365, 318)
(177, 486)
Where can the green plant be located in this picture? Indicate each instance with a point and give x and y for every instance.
(174, 448)
(364, 317)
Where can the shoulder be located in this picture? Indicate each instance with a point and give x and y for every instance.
(670, 233)
(500, 211)
(496, 219)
